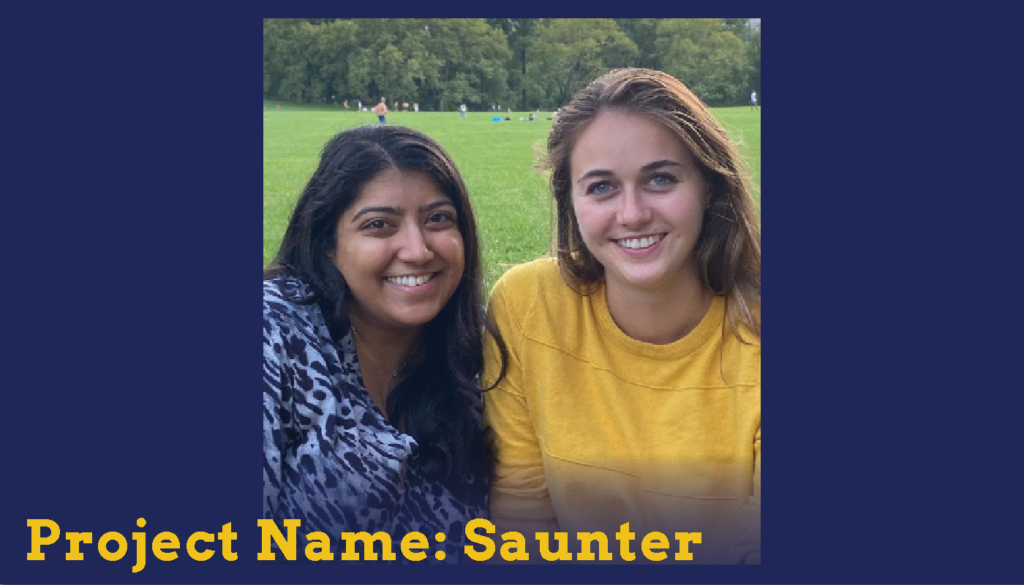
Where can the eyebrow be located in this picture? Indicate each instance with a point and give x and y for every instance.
(646, 168)
(400, 210)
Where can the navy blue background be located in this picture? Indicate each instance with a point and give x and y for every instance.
(132, 230)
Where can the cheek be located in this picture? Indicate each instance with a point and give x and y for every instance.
(340, 261)
(458, 253)
(451, 247)
(360, 261)
(588, 218)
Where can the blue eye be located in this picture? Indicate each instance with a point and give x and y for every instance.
(599, 188)
(663, 180)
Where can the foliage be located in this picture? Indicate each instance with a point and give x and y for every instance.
(707, 56)
(528, 63)
(569, 53)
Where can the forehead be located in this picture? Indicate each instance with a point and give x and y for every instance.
(398, 188)
(619, 141)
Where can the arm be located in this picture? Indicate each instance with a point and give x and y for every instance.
(747, 548)
(274, 389)
(519, 495)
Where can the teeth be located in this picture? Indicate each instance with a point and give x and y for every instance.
(410, 280)
(637, 243)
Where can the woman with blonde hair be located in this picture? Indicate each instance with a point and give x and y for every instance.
(632, 393)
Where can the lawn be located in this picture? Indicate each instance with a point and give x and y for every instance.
(510, 199)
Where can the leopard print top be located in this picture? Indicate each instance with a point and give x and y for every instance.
(330, 458)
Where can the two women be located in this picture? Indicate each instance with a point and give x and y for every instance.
(630, 388)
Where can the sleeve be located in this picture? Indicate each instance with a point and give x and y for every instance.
(519, 496)
(747, 548)
(274, 404)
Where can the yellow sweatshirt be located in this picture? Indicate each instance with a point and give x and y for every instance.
(595, 429)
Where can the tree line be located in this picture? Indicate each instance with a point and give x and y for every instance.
(524, 64)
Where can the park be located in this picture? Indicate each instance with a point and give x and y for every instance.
(313, 67)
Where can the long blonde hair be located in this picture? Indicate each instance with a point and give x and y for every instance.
(728, 252)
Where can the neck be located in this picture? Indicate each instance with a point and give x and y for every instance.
(659, 316)
(389, 346)
(382, 352)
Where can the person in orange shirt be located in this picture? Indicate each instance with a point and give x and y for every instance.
(381, 109)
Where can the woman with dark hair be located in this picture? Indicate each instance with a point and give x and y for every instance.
(633, 392)
(372, 347)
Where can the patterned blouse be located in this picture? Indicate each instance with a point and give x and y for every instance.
(330, 458)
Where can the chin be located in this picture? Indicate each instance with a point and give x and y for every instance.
(643, 280)
(417, 319)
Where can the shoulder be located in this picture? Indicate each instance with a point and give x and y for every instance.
(534, 286)
(525, 281)
(284, 302)
(284, 291)
(540, 273)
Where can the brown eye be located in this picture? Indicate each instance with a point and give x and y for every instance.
(440, 217)
(375, 226)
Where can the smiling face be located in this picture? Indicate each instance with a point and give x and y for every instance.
(400, 250)
(639, 200)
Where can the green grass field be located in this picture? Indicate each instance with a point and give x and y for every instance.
(510, 199)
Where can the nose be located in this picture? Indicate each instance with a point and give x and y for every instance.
(413, 247)
(633, 208)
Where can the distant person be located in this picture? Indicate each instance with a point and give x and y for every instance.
(359, 105)
(346, 105)
(381, 109)
(415, 106)
(753, 100)
(405, 106)
(462, 111)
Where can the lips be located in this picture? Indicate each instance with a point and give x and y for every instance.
(639, 243)
(411, 279)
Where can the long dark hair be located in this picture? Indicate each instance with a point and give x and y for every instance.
(728, 251)
(437, 398)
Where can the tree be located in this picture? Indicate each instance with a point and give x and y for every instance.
(389, 60)
(642, 31)
(535, 62)
(754, 51)
(333, 41)
(471, 58)
(570, 53)
(519, 32)
(709, 58)
(284, 57)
